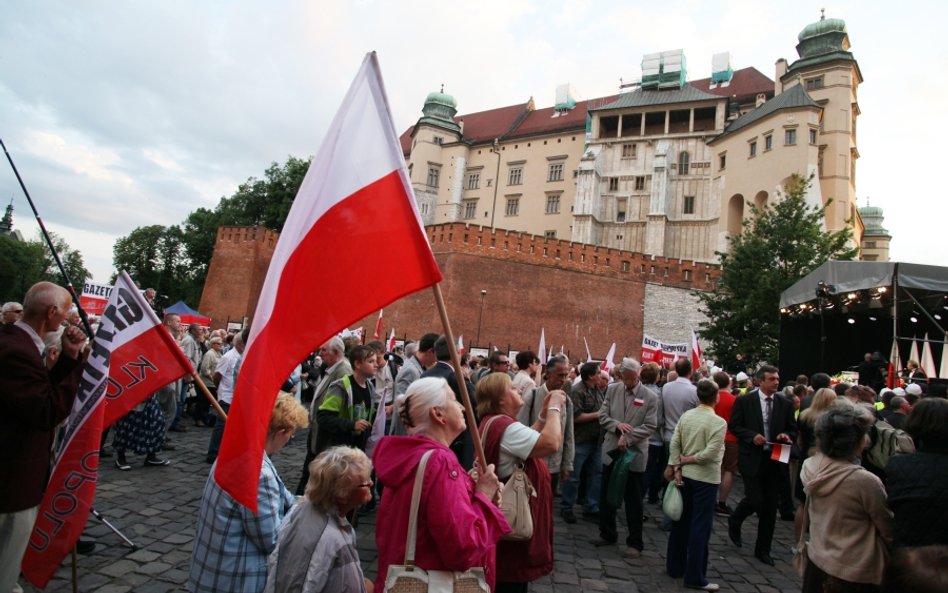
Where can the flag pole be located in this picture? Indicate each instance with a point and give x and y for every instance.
(462, 384)
(207, 393)
(49, 242)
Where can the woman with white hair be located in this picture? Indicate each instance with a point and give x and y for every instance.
(459, 523)
(316, 550)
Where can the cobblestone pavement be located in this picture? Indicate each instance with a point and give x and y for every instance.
(156, 507)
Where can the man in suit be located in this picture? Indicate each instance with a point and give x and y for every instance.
(758, 420)
(34, 401)
(463, 446)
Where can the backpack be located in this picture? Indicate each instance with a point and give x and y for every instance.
(887, 442)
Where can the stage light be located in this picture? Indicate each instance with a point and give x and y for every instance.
(937, 316)
(873, 318)
(913, 319)
(851, 321)
(784, 311)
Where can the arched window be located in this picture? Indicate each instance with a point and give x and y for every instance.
(683, 163)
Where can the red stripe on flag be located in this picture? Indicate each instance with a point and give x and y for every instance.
(378, 214)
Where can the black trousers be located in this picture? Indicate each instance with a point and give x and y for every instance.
(761, 496)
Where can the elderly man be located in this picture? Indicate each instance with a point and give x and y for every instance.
(12, 312)
(629, 415)
(191, 347)
(34, 401)
(334, 367)
(415, 364)
(560, 462)
(225, 377)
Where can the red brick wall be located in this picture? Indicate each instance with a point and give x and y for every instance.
(571, 290)
(236, 273)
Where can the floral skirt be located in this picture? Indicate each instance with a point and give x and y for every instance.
(141, 432)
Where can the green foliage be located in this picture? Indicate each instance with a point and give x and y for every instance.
(778, 246)
(24, 263)
(174, 260)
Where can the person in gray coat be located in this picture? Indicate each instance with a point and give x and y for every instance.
(629, 415)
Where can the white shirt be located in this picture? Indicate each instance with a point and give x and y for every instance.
(516, 445)
(763, 413)
(37, 340)
(228, 367)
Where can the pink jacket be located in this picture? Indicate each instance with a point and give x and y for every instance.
(457, 527)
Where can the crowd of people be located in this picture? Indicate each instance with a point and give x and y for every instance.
(863, 475)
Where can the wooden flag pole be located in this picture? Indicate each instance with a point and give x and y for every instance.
(462, 384)
(75, 570)
(207, 394)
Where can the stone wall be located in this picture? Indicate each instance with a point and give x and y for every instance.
(236, 273)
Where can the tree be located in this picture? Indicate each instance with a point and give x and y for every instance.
(24, 263)
(779, 245)
(154, 257)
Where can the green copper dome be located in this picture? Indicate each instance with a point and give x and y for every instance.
(439, 110)
(872, 219)
(823, 38)
(822, 27)
(441, 98)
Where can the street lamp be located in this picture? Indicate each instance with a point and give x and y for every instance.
(480, 316)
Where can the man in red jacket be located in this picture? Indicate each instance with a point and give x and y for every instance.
(34, 400)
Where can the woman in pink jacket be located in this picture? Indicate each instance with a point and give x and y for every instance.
(459, 523)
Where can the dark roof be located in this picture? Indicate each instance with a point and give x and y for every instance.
(645, 98)
(541, 121)
(793, 98)
(745, 85)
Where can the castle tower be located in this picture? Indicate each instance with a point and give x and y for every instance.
(433, 179)
(875, 239)
(235, 276)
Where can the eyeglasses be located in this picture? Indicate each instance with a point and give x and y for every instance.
(503, 362)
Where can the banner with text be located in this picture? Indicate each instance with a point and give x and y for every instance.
(664, 354)
(94, 298)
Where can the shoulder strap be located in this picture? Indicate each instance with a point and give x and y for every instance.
(486, 427)
(413, 515)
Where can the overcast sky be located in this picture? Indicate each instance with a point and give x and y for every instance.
(128, 113)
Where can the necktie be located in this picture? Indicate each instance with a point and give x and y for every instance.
(768, 410)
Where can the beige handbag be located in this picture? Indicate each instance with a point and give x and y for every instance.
(515, 500)
(408, 578)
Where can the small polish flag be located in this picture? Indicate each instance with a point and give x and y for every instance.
(378, 327)
(541, 350)
(608, 364)
(780, 453)
(460, 345)
(391, 341)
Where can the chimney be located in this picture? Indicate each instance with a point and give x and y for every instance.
(781, 70)
(461, 127)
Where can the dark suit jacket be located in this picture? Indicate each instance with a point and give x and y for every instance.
(33, 401)
(747, 421)
(463, 446)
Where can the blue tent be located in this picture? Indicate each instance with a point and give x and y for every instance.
(187, 314)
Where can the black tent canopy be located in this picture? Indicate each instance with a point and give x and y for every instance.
(843, 309)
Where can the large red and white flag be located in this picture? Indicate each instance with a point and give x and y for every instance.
(378, 327)
(130, 358)
(895, 364)
(357, 187)
(927, 362)
(608, 364)
(695, 351)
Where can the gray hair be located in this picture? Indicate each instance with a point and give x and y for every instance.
(841, 429)
(629, 364)
(336, 344)
(414, 406)
(334, 472)
(7, 307)
(411, 349)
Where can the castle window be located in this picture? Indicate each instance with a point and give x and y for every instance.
(434, 172)
(790, 137)
(549, 235)
(438, 140)
(628, 151)
(813, 137)
(555, 172)
(553, 204)
(768, 142)
(640, 183)
(683, 159)
(424, 208)
(473, 181)
(470, 209)
(513, 206)
(753, 148)
(686, 276)
(722, 161)
(620, 210)
(814, 83)
(613, 184)
(515, 177)
(689, 205)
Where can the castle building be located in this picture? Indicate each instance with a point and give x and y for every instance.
(666, 168)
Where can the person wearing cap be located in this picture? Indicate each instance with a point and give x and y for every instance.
(740, 380)
(202, 407)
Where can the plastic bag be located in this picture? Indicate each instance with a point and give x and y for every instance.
(672, 504)
(621, 460)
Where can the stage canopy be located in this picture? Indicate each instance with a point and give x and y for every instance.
(188, 315)
(842, 310)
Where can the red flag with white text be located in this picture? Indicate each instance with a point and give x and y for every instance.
(129, 360)
(357, 187)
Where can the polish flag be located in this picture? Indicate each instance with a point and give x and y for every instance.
(589, 356)
(895, 364)
(541, 351)
(460, 345)
(357, 188)
(927, 363)
(391, 341)
(132, 355)
(607, 365)
(780, 453)
(695, 351)
(378, 327)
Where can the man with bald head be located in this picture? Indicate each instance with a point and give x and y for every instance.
(34, 401)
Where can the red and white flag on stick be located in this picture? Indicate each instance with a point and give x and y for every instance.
(378, 327)
(460, 345)
(589, 356)
(608, 364)
(391, 341)
(695, 351)
(779, 452)
(927, 362)
(541, 350)
(357, 187)
(132, 356)
(895, 364)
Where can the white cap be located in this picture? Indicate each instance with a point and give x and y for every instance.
(899, 392)
(741, 376)
(913, 388)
